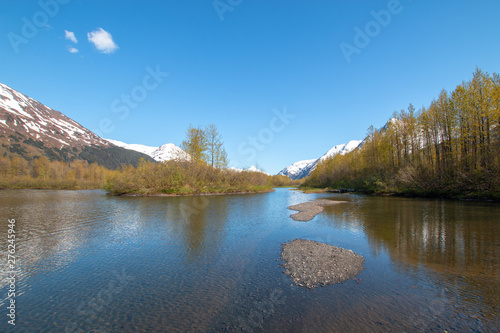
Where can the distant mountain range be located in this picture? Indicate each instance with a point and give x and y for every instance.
(30, 129)
(165, 152)
(302, 169)
(252, 169)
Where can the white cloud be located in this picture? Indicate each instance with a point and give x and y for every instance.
(73, 50)
(102, 40)
(71, 36)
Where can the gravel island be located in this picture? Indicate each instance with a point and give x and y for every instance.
(311, 264)
(308, 210)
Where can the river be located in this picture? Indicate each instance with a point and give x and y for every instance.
(90, 262)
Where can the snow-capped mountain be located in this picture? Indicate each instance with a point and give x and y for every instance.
(252, 169)
(140, 148)
(165, 152)
(302, 169)
(24, 115)
(30, 129)
(296, 170)
(341, 149)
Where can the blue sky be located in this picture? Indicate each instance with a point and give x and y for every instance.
(273, 76)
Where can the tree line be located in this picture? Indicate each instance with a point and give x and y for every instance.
(204, 171)
(449, 148)
(17, 172)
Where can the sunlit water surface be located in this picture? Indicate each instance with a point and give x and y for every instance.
(88, 262)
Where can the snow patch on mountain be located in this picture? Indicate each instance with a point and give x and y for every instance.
(251, 169)
(341, 149)
(148, 150)
(302, 169)
(22, 114)
(169, 151)
(166, 152)
(295, 171)
(12, 104)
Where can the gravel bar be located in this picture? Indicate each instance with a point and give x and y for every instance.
(308, 210)
(311, 264)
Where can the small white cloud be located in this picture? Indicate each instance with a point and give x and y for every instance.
(71, 36)
(102, 40)
(73, 50)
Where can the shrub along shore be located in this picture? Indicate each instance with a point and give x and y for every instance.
(148, 178)
(188, 178)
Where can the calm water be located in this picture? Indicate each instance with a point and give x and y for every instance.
(88, 262)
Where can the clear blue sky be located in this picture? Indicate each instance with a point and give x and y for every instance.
(233, 72)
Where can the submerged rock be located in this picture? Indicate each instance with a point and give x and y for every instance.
(311, 264)
(308, 210)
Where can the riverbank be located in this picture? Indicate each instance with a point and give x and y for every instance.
(453, 195)
(310, 190)
(193, 194)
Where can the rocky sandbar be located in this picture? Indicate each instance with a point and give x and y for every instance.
(308, 210)
(311, 264)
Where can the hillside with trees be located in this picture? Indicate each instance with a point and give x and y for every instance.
(450, 148)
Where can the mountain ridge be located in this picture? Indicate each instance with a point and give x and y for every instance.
(31, 129)
(304, 168)
(165, 152)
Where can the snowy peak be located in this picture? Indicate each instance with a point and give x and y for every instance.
(296, 170)
(341, 149)
(139, 148)
(251, 169)
(169, 151)
(254, 169)
(20, 114)
(163, 153)
(302, 169)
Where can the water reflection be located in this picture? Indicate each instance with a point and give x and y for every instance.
(457, 241)
(200, 263)
(49, 227)
(200, 221)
